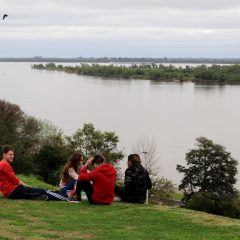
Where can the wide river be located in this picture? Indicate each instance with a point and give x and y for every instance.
(173, 114)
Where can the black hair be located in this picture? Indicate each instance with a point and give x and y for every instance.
(98, 159)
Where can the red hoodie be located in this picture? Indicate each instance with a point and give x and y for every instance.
(8, 179)
(104, 179)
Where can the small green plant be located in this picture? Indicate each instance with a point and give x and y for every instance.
(162, 189)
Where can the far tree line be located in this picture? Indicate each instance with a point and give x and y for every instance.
(215, 74)
(122, 60)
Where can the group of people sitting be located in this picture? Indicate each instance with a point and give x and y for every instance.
(99, 184)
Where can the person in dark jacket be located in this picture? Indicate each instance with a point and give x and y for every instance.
(136, 182)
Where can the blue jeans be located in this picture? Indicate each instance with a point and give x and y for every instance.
(70, 186)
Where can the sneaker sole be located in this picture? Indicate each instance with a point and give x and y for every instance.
(73, 201)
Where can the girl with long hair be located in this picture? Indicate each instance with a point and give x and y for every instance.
(136, 181)
(70, 172)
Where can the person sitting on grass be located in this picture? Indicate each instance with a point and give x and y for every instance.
(103, 177)
(70, 172)
(13, 188)
(136, 182)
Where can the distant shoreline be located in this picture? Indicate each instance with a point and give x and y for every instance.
(124, 60)
(202, 74)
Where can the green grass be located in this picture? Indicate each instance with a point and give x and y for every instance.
(25, 219)
(177, 195)
(35, 182)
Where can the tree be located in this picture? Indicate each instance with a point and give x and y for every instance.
(90, 142)
(53, 152)
(49, 134)
(210, 168)
(147, 150)
(20, 131)
(48, 162)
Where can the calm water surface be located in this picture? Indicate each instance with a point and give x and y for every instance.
(174, 114)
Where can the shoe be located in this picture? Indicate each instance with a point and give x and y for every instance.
(74, 199)
(117, 199)
(42, 197)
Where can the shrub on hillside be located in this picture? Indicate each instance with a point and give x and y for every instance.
(211, 203)
(162, 189)
(230, 207)
(48, 162)
(202, 202)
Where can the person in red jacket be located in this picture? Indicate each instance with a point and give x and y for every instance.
(103, 178)
(13, 188)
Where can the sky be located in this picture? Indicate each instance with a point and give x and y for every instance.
(126, 28)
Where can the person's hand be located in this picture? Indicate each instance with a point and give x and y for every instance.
(24, 184)
(89, 161)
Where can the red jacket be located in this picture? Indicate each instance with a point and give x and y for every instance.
(104, 179)
(8, 179)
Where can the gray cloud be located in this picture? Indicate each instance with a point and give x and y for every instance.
(143, 22)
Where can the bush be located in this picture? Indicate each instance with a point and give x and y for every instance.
(48, 163)
(202, 202)
(162, 188)
(230, 208)
(211, 203)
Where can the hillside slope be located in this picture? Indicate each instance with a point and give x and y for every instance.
(25, 219)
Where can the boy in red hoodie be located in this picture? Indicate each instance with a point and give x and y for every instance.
(103, 178)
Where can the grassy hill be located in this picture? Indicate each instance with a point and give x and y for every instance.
(25, 219)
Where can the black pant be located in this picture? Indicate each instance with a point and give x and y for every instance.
(120, 191)
(87, 188)
(22, 192)
(126, 197)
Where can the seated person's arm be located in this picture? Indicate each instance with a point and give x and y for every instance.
(23, 184)
(128, 180)
(84, 174)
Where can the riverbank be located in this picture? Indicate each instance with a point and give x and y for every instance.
(215, 74)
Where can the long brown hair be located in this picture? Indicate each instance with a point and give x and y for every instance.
(73, 162)
(134, 159)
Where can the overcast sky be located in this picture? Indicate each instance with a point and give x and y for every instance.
(125, 28)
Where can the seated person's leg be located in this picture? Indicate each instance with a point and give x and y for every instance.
(22, 192)
(55, 196)
(69, 186)
(120, 192)
(87, 188)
